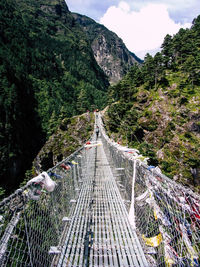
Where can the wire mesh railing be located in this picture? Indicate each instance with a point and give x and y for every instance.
(74, 250)
(35, 219)
(165, 215)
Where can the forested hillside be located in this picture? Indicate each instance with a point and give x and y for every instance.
(47, 72)
(71, 134)
(156, 107)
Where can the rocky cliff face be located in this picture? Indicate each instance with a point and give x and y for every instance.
(109, 50)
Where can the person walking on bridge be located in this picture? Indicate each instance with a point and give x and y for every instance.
(97, 132)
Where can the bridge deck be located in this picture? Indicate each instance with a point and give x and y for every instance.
(100, 233)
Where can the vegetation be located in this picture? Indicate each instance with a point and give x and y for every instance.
(48, 74)
(155, 107)
(71, 134)
(47, 71)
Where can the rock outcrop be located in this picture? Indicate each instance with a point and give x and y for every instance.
(109, 50)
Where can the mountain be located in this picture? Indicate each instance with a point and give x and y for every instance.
(47, 72)
(109, 50)
(50, 69)
(155, 107)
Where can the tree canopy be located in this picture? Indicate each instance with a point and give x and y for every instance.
(46, 68)
(155, 107)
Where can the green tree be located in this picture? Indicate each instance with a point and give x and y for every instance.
(82, 102)
(167, 51)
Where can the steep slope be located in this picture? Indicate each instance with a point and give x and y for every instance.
(47, 72)
(71, 134)
(109, 50)
(155, 108)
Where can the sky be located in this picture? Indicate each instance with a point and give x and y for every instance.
(142, 24)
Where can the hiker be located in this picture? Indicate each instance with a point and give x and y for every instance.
(97, 132)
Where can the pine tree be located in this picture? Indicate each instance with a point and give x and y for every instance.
(82, 102)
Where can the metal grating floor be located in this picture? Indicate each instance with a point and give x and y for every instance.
(100, 233)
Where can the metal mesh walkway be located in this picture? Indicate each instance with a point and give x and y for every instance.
(100, 233)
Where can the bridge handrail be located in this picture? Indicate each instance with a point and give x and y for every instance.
(30, 227)
(165, 214)
(121, 149)
(20, 190)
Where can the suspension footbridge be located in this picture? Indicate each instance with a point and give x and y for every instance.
(100, 233)
(103, 207)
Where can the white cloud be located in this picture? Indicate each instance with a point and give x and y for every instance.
(179, 10)
(142, 30)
